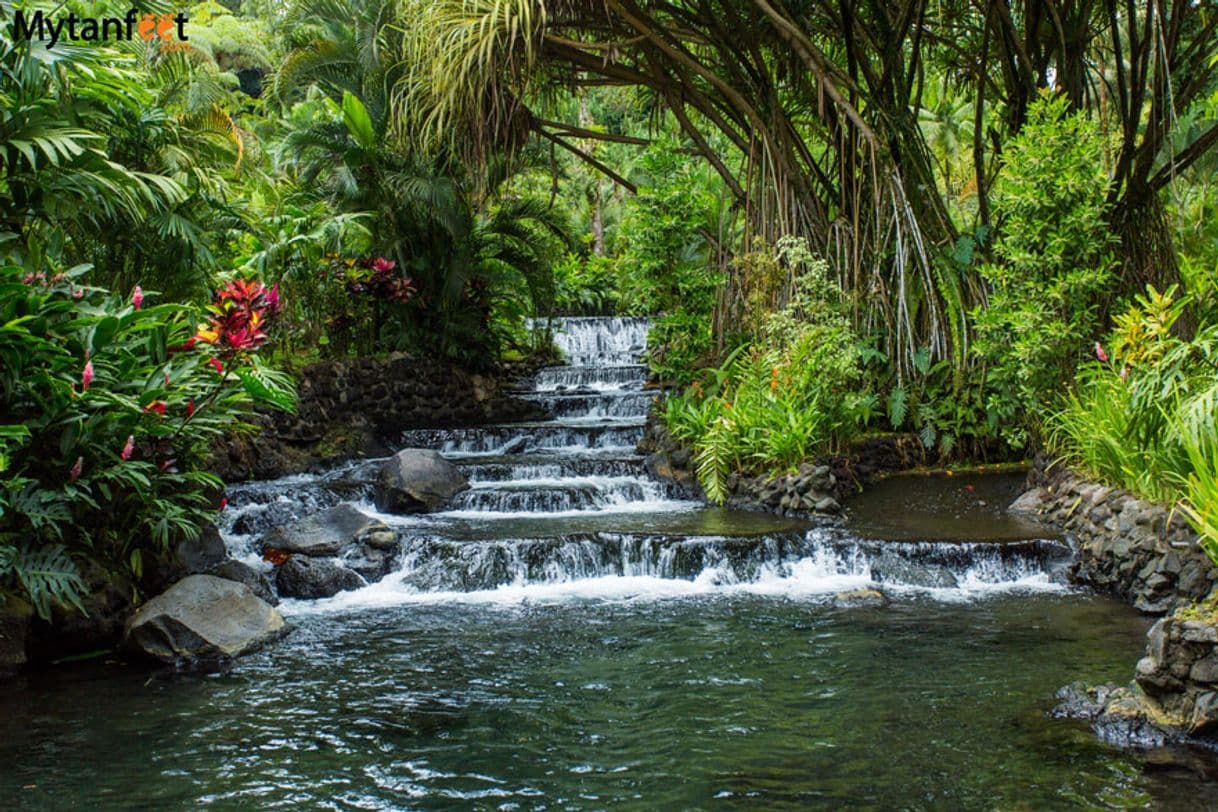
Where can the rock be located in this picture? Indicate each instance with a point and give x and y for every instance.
(1205, 669)
(681, 458)
(828, 505)
(417, 480)
(337, 530)
(305, 577)
(202, 617)
(1205, 714)
(14, 629)
(1028, 502)
(859, 598)
(243, 573)
(200, 555)
(1198, 631)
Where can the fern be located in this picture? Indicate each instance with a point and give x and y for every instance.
(898, 407)
(714, 458)
(268, 385)
(47, 575)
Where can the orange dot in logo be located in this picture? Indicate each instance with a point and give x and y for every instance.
(147, 26)
(164, 27)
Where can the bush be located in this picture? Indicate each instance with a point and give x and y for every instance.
(782, 399)
(110, 407)
(1053, 263)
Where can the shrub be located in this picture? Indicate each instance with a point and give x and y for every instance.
(781, 399)
(1052, 264)
(110, 406)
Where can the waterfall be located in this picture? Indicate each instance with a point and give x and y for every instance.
(566, 507)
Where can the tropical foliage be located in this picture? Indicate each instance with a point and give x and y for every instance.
(110, 407)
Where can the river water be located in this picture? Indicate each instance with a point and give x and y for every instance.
(572, 634)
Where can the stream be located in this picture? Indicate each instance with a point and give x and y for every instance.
(571, 633)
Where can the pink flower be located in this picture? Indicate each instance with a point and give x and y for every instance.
(77, 468)
(125, 454)
(137, 297)
(78, 293)
(381, 264)
(1100, 354)
(167, 379)
(86, 377)
(1124, 373)
(274, 303)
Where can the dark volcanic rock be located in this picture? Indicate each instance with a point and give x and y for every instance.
(243, 573)
(417, 480)
(331, 532)
(305, 577)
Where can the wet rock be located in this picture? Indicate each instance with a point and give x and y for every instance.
(860, 598)
(242, 573)
(14, 629)
(201, 554)
(1028, 502)
(337, 530)
(417, 480)
(201, 618)
(312, 578)
(1204, 720)
(828, 505)
(1119, 716)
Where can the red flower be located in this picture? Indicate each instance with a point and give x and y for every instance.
(125, 454)
(86, 377)
(1100, 354)
(77, 468)
(215, 362)
(188, 344)
(223, 504)
(157, 406)
(381, 265)
(137, 297)
(190, 407)
(275, 556)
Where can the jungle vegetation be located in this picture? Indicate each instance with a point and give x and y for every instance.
(990, 223)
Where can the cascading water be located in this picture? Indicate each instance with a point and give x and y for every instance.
(567, 505)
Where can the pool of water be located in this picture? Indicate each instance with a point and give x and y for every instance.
(632, 702)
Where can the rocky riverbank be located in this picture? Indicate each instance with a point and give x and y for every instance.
(359, 408)
(1150, 556)
(1138, 551)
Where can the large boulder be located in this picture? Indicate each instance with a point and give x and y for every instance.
(417, 480)
(305, 577)
(332, 532)
(202, 617)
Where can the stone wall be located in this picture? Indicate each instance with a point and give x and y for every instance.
(1138, 551)
(358, 407)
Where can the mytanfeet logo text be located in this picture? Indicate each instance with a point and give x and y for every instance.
(169, 29)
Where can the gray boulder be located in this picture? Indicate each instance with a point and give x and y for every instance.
(417, 480)
(331, 532)
(202, 617)
(242, 573)
(304, 577)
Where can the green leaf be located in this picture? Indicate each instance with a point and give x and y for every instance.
(359, 123)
